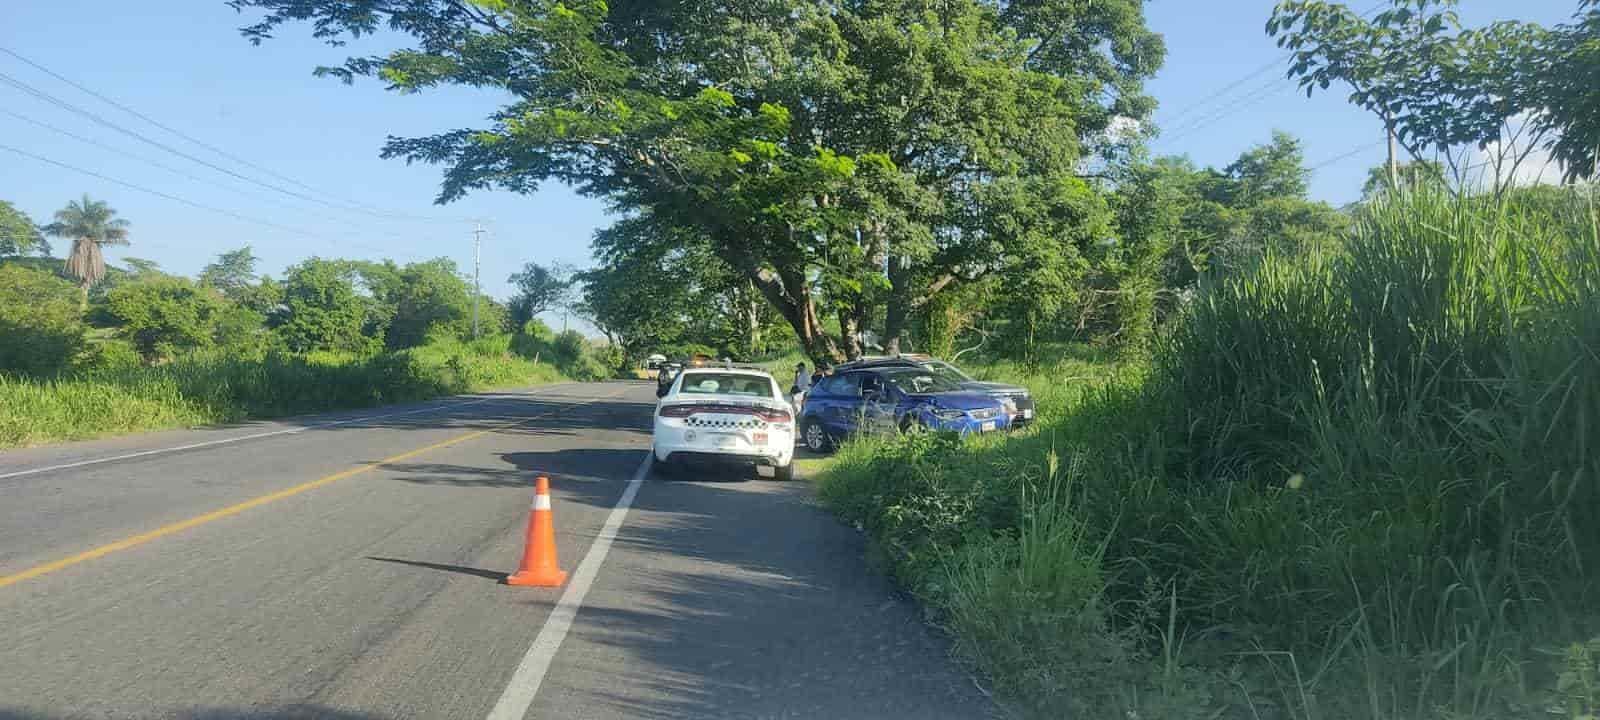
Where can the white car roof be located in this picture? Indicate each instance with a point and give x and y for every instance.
(726, 371)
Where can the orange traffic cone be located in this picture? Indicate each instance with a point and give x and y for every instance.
(539, 557)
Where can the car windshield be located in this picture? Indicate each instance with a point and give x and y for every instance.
(918, 381)
(947, 371)
(704, 383)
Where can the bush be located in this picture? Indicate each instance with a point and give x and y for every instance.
(105, 354)
(218, 386)
(322, 311)
(40, 325)
(164, 316)
(1355, 483)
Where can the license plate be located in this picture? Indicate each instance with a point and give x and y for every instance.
(766, 471)
(727, 442)
(759, 438)
(1027, 414)
(987, 426)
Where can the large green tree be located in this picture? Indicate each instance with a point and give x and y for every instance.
(231, 273)
(321, 309)
(1567, 92)
(841, 158)
(18, 234)
(540, 288)
(657, 288)
(1178, 221)
(41, 328)
(1506, 88)
(90, 225)
(165, 316)
(429, 299)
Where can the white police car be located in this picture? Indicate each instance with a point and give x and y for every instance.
(725, 416)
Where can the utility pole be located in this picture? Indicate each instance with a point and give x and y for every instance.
(477, 237)
(1394, 165)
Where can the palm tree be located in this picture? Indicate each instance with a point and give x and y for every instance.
(90, 224)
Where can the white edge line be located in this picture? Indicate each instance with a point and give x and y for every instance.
(242, 438)
(524, 685)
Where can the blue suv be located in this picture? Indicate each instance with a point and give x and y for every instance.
(887, 399)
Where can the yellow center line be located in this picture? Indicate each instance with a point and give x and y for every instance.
(232, 510)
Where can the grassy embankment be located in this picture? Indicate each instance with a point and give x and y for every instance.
(1359, 483)
(208, 388)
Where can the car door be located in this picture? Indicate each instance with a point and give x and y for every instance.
(843, 412)
(878, 402)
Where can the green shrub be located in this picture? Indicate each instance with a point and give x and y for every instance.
(107, 353)
(40, 325)
(1355, 483)
(321, 309)
(107, 396)
(164, 316)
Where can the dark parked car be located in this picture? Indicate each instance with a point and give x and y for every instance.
(1017, 399)
(890, 398)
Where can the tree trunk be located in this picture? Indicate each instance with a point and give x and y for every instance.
(850, 329)
(1394, 164)
(753, 320)
(791, 297)
(898, 312)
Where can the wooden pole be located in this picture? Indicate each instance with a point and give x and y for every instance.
(1394, 164)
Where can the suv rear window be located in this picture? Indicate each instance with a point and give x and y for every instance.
(705, 383)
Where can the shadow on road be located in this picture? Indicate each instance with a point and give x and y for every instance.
(285, 712)
(563, 411)
(495, 575)
(740, 600)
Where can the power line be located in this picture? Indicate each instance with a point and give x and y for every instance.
(1228, 106)
(177, 171)
(174, 198)
(1213, 97)
(1347, 155)
(1254, 97)
(42, 95)
(355, 206)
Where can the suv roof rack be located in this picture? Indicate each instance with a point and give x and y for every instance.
(877, 361)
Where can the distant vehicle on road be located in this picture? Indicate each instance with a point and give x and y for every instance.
(1017, 399)
(724, 416)
(888, 398)
(655, 361)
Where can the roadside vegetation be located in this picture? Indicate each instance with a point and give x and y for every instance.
(1352, 481)
(89, 349)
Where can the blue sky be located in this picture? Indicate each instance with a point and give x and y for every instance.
(183, 63)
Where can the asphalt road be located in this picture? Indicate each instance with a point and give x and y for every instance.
(348, 566)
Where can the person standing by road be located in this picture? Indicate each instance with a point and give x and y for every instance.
(802, 383)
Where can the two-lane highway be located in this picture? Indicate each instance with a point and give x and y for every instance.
(348, 566)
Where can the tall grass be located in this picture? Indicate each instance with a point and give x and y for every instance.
(1356, 483)
(218, 387)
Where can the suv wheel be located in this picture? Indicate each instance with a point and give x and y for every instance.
(815, 437)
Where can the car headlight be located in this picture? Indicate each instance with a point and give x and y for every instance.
(944, 414)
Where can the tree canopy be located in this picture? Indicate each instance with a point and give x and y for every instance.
(18, 234)
(839, 157)
(89, 224)
(1441, 85)
(231, 273)
(540, 289)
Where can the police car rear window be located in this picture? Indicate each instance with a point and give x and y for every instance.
(727, 384)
